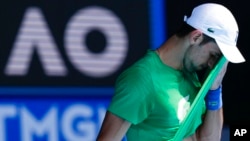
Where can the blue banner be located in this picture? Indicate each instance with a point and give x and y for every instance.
(51, 119)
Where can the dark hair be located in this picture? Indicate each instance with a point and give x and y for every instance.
(185, 29)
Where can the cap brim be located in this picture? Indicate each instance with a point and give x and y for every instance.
(231, 52)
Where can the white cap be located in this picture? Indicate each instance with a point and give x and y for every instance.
(217, 21)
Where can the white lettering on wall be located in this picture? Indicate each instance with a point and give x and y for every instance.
(6, 111)
(31, 126)
(105, 21)
(74, 122)
(85, 130)
(34, 35)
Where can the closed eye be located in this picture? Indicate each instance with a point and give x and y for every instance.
(215, 55)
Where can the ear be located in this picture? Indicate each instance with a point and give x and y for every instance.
(195, 37)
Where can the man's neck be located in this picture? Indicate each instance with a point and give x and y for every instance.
(172, 52)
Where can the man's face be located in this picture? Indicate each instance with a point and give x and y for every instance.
(203, 56)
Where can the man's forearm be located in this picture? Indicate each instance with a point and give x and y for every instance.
(211, 128)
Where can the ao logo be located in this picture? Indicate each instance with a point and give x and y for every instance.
(34, 35)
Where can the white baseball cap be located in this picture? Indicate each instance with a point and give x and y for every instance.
(217, 21)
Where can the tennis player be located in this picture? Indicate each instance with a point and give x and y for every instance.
(153, 96)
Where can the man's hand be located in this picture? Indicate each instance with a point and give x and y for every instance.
(219, 78)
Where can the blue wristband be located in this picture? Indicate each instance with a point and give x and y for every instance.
(214, 99)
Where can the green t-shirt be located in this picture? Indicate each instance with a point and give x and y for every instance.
(155, 99)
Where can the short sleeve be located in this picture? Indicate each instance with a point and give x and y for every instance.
(132, 100)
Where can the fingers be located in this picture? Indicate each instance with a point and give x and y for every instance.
(219, 78)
